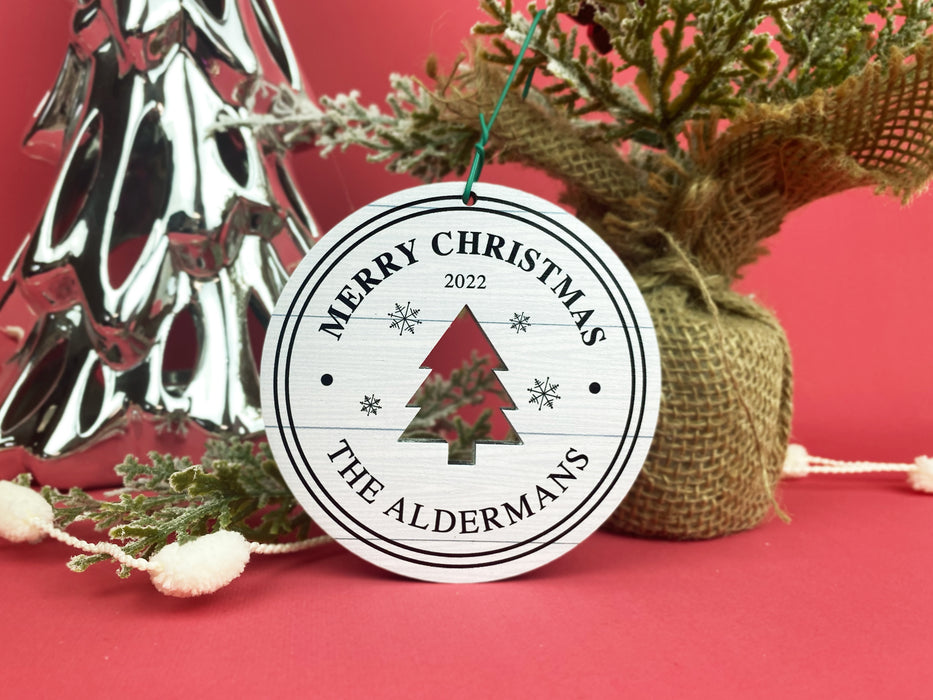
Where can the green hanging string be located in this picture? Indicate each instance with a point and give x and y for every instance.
(479, 159)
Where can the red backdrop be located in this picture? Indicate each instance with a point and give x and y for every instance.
(834, 605)
(847, 276)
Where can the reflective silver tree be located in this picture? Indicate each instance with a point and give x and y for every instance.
(164, 238)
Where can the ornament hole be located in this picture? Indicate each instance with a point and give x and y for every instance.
(146, 182)
(37, 389)
(215, 7)
(257, 320)
(79, 178)
(232, 150)
(268, 27)
(180, 355)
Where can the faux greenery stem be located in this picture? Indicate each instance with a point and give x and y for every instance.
(237, 487)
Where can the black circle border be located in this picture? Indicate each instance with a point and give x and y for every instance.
(612, 468)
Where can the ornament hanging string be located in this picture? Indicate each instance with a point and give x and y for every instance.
(479, 159)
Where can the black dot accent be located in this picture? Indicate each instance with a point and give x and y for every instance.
(327, 379)
(595, 388)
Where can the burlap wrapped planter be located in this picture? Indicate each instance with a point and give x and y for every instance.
(724, 421)
(685, 224)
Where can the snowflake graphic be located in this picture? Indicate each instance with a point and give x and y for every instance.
(520, 322)
(370, 405)
(543, 393)
(404, 318)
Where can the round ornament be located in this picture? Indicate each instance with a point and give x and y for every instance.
(460, 392)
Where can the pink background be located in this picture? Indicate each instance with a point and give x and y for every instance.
(838, 602)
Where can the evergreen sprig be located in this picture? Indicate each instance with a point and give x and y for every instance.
(676, 61)
(827, 41)
(237, 486)
(410, 137)
(441, 399)
(667, 63)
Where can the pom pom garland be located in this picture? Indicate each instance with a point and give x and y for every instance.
(202, 565)
(799, 463)
(210, 562)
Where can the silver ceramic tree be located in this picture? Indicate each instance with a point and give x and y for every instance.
(164, 238)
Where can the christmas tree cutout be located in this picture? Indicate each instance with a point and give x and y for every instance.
(462, 400)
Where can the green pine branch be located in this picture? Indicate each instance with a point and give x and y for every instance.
(672, 62)
(237, 487)
(441, 398)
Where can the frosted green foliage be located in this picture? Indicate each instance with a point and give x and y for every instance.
(827, 41)
(669, 63)
(441, 399)
(673, 62)
(236, 487)
(407, 138)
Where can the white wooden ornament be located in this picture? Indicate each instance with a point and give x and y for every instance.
(573, 350)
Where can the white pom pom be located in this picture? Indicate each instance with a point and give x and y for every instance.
(796, 462)
(23, 513)
(201, 566)
(921, 477)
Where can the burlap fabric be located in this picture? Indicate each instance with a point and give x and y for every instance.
(685, 227)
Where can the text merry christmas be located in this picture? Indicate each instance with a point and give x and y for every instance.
(444, 245)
